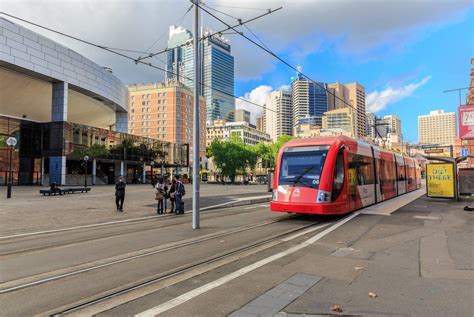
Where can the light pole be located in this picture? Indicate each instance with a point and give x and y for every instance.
(11, 142)
(86, 158)
(152, 163)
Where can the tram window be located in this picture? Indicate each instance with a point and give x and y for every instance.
(338, 176)
(364, 168)
(401, 172)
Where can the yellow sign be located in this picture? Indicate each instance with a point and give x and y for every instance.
(440, 180)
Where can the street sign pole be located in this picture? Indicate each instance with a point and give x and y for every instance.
(196, 119)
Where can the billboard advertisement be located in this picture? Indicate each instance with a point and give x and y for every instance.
(466, 122)
(440, 180)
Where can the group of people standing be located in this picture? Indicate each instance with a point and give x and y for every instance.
(164, 191)
(173, 191)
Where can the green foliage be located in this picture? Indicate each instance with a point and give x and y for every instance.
(268, 153)
(233, 157)
(95, 151)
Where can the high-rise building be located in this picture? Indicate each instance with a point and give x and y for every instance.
(394, 125)
(217, 70)
(259, 123)
(164, 111)
(370, 120)
(278, 114)
(343, 118)
(353, 94)
(438, 127)
(308, 99)
(242, 115)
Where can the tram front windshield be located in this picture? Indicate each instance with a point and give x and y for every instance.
(302, 166)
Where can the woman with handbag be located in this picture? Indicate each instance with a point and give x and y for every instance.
(160, 195)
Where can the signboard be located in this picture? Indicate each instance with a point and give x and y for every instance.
(464, 152)
(446, 151)
(440, 180)
(466, 122)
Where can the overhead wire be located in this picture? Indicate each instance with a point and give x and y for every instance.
(149, 64)
(177, 22)
(273, 54)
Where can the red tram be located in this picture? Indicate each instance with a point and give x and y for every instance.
(337, 175)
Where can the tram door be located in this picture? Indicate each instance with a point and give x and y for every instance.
(352, 177)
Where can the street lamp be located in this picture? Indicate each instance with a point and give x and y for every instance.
(11, 142)
(86, 158)
(152, 163)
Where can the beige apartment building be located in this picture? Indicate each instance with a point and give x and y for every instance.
(438, 127)
(259, 124)
(277, 114)
(222, 130)
(164, 111)
(353, 94)
(341, 119)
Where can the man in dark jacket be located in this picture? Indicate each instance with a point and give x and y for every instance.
(120, 193)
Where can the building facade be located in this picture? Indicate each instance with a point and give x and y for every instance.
(308, 99)
(278, 114)
(222, 130)
(216, 65)
(350, 94)
(438, 127)
(60, 105)
(394, 125)
(259, 124)
(164, 111)
(242, 115)
(343, 118)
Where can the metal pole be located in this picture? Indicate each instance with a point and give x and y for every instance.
(10, 176)
(196, 120)
(85, 176)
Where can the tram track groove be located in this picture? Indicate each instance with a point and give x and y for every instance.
(52, 246)
(180, 274)
(41, 278)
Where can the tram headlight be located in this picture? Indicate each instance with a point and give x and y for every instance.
(275, 195)
(323, 197)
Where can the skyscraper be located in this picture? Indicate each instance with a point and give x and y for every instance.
(277, 114)
(217, 70)
(353, 94)
(394, 125)
(308, 99)
(438, 127)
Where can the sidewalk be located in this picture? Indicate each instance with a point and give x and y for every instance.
(418, 261)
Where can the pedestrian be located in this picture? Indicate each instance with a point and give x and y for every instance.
(160, 195)
(120, 193)
(180, 192)
(172, 195)
(166, 195)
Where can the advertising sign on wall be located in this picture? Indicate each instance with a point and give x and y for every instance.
(466, 122)
(440, 180)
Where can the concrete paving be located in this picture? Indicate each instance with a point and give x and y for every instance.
(28, 211)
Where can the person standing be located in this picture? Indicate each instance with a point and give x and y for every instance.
(166, 194)
(172, 195)
(160, 195)
(180, 192)
(120, 193)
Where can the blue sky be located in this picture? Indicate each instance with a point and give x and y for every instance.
(409, 76)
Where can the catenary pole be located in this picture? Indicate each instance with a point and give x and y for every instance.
(196, 119)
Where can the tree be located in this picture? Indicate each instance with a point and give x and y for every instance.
(232, 157)
(268, 153)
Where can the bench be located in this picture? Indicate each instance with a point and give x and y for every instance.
(65, 190)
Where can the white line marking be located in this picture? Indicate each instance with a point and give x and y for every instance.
(426, 217)
(227, 278)
(113, 222)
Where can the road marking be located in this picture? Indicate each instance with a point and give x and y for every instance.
(227, 278)
(387, 207)
(115, 222)
(426, 217)
(253, 207)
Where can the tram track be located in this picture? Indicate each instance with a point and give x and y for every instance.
(112, 226)
(41, 278)
(200, 266)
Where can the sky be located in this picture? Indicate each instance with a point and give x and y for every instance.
(404, 52)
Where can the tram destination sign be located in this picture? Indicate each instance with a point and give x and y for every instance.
(440, 180)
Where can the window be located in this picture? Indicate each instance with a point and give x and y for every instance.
(338, 181)
(133, 103)
(133, 97)
(361, 168)
(164, 94)
(143, 96)
(133, 110)
(159, 101)
(147, 103)
(143, 103)
(148, 96)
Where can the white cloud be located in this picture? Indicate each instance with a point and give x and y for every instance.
(354, 27)
(258, 96)
(378, 100)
